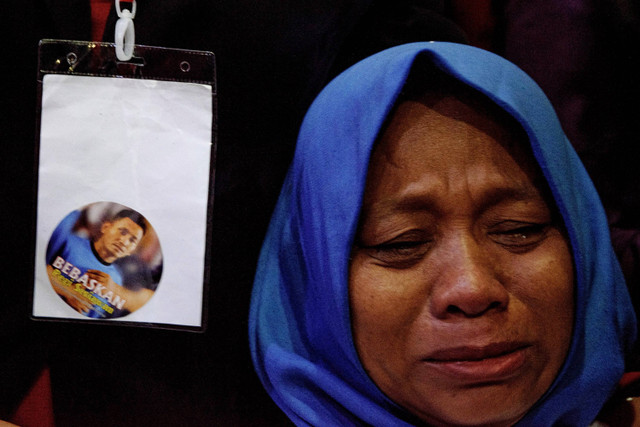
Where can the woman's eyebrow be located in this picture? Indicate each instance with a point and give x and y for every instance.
(515, 193)
(420, 201)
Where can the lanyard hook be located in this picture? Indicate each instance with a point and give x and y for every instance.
(125, 34)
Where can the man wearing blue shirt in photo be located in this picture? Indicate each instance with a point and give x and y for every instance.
(81, 269)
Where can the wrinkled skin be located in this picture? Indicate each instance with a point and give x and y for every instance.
(461, 279)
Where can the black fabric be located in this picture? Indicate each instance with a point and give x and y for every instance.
(273, 57)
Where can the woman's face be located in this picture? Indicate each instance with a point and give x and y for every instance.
(461, 279)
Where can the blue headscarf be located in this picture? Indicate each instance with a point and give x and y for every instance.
(300, 331)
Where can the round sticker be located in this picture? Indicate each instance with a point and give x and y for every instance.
(104, 260)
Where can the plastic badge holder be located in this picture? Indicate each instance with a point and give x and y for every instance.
(125, 184)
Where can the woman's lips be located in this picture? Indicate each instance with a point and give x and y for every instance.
(481, 364)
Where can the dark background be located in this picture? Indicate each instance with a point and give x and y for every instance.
(273, 57)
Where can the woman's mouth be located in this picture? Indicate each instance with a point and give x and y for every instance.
(480, 364)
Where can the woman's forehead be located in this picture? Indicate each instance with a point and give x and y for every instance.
(437, 126)
(447, 146)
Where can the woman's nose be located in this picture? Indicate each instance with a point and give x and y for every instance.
(466, 283)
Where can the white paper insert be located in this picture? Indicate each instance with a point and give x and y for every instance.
(145, 144)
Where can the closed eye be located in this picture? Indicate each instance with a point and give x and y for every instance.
(398, 253)
(519, 236)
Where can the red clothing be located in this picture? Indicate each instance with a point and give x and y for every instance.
(36, 408)
(99, 13)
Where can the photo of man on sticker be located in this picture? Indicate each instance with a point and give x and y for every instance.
(104, 260)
